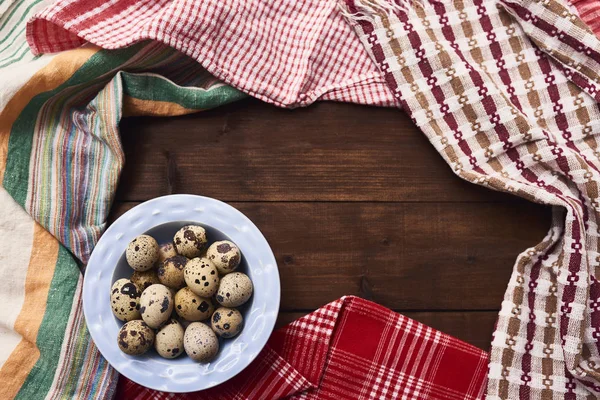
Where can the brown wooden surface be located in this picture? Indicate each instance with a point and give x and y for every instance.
(353, 200)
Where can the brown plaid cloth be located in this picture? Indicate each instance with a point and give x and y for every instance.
(508, 93)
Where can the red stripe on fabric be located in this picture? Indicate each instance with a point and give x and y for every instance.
(72, 11)
(496, 51)
(350, 371)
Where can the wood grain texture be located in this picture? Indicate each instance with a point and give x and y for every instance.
(474, 327)
(353, 200)
(252, 151)
(405, 256)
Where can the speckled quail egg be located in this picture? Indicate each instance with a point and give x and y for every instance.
(235, 289)
(143, 279)
(190, 241)
(170, 272)
(135, 338)
(166, 250)
(227, 322)
(156, 305)
(200, 342)
(142, 253)
(225, 255)
(201, 276)
(125, 300)
(169, 340)
(192, 307)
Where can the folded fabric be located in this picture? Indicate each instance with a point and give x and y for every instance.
(349, 349)
(60, 159)
(290, 54)
(589, 11)
(45, 351)
(80, 97)
(506, 91)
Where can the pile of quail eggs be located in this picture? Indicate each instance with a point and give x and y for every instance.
(183, 276)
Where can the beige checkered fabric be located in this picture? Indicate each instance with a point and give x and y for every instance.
(508, 93)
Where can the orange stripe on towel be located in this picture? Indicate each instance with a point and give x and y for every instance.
(42, 264)
(58, 71)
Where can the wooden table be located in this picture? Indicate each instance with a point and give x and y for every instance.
(353, 200)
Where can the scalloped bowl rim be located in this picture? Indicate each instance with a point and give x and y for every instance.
(179, 376)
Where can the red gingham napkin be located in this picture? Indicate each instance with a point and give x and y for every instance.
(350, 349)
(289, 53)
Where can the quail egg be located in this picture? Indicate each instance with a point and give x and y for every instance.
(125, 300)
(201, 276)
(169, 340)
(227, 322)
(190, 241)
(166, 250)
(235, 289)
(142, 253)
(135, 338)
(170, 272)
(192, 307)
(156, 305)
(200, 342)
(143, 279)
(225, 255)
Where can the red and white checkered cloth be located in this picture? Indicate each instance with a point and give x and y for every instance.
(291, 54)
(589, 11)
(350, 349)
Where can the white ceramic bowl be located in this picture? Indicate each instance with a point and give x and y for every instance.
(161, 218)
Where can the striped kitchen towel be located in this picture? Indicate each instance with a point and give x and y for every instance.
(349, 349)
(60, 159)
(506, 90)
